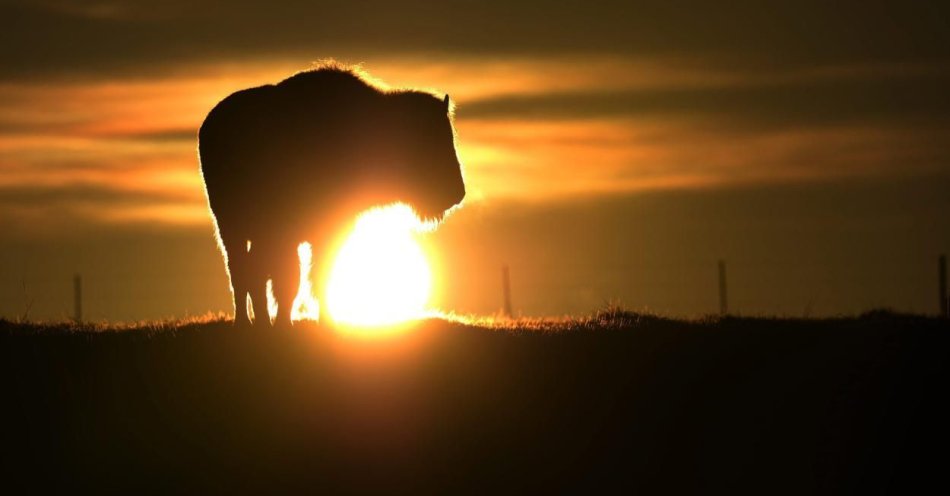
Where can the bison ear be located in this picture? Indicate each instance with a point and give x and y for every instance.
(446, 102)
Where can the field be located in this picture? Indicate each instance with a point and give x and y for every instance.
(616, 401)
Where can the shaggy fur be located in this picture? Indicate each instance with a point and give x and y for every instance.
(295, 161)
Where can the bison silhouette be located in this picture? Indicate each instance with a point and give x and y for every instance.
(293, 162)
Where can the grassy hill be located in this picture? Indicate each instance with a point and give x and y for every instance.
(619, 400)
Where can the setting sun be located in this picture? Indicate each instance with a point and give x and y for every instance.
(381, 275)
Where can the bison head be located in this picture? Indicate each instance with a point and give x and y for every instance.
(430, 169)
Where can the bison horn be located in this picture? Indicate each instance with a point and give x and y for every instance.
(446, 101)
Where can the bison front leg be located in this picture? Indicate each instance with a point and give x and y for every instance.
(286, 282)
(235, 250)
(257, 274)
(259, 302)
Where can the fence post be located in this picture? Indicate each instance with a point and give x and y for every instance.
(506, 290)
(723, 299)
(942, 275)
(77, 298)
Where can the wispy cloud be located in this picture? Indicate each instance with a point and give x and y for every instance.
(48, 38)
(529, 129)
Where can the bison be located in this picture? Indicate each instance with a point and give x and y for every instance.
(293, 162)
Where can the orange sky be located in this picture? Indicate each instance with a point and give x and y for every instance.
(135, 136)
(100, 102)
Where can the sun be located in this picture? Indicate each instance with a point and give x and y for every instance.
(380, 276)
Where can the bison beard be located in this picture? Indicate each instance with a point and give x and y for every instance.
(293, 162)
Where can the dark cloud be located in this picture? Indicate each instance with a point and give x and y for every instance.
(74, 127)
(55, 196)
(919, 100)
(186, 135)
(56, 38)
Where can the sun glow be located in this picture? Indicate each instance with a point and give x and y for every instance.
(306, 306)
(380, 275)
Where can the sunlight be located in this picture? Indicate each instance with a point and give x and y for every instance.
(381, 275)
(306, 306)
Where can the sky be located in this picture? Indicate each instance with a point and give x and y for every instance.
(613, 151)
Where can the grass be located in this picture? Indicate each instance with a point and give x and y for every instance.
(616, 400)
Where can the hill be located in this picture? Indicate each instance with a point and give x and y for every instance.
(618, 401)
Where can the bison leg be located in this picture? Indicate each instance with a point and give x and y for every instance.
(236, 253)
(286, 279)
(257, 285)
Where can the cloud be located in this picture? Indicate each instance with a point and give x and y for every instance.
(584, 122)
(51, 211)
(529, 129)
(44, 39)
(542, 160)
(896, 99)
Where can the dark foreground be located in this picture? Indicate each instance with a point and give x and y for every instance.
(765, 406)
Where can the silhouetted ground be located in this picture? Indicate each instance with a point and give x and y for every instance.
(618, 401)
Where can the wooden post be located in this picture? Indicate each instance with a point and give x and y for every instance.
(942, 274)
(723, 300)
(77, 298)
(506, 290)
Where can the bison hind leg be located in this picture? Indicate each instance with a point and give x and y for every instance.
(257, 276)
(286, 281)
(238, 268)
